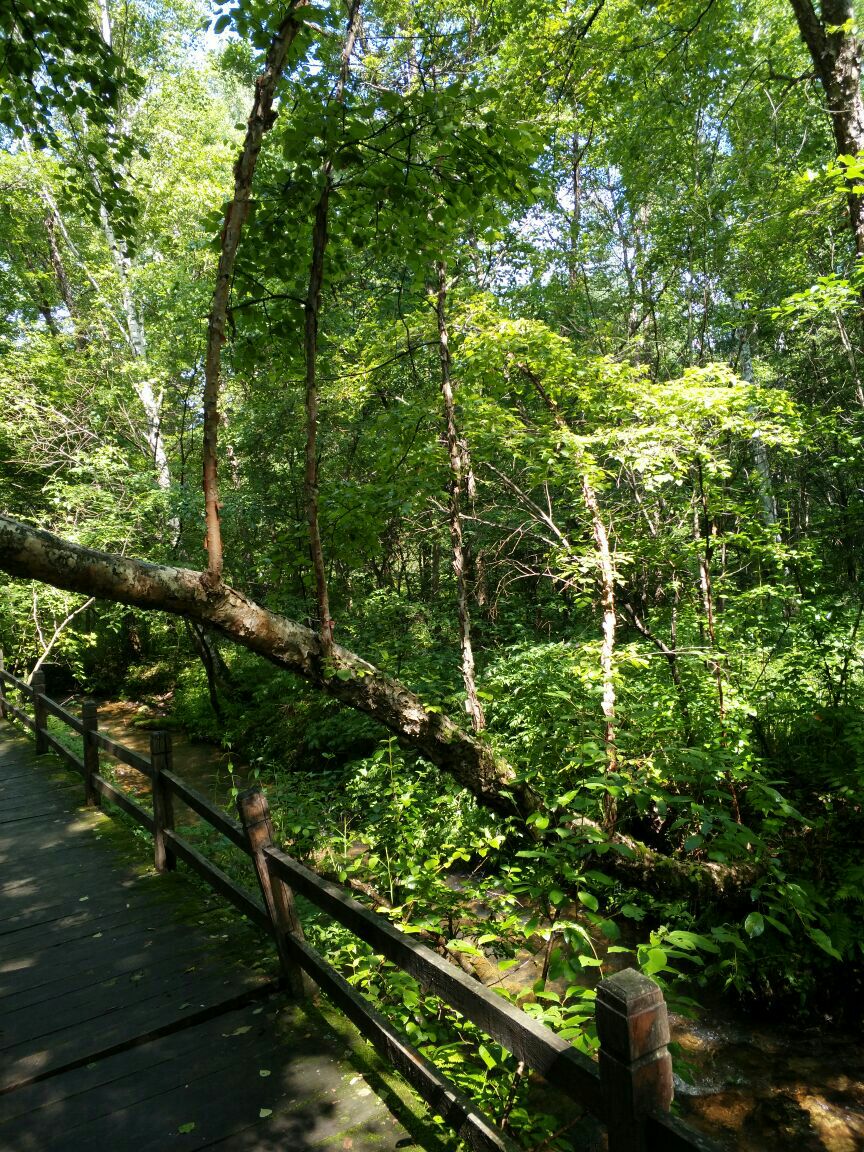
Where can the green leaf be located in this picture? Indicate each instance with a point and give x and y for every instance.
(656, 961)
(754, 925)
(824, 942)
(633, 912)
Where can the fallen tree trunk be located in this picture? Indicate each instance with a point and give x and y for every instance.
(33, 554)
(37, 555)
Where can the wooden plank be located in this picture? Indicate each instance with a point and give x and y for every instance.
(80, 1089)
(529, 1040)
(445, 1099)
(81, 1019)
(123, 802)
(218, 880)
(64, 752)
(137, 1074)
(87, 921)
(199, 803)
(71, 1048)
(48, 912)
(55, 860)
(125, 755)
(306, 1099)
(24, 806)
(122, 955)
(60, 712)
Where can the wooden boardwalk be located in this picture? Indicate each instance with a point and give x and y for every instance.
(127, 1018)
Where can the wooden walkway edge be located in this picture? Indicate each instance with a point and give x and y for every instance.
(127, 1023)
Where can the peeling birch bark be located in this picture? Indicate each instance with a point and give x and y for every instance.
(454, 451)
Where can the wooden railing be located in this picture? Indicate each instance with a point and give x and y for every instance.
(629, 1089)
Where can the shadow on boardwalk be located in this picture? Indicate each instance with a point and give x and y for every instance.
(133, 1015)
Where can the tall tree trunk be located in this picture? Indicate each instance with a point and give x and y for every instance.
(703, 539)
(261, 119)
(313, 311)
(607, 646)
(137, 339)
(454, 450)
(758, 450)
(836, 54)
(575, 222)
(58, 267)
(606, 567)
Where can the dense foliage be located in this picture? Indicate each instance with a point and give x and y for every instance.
(632, 227)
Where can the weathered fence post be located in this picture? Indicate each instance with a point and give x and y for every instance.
(278, 898)
(161, 760)
(2, 688)
(635, 1065)
(40, 712)
(90, 721)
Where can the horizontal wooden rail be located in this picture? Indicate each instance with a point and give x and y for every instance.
(199, 803)
(122, 753)
(66, 753)
(20, 715)
(220, 881)
(125, 803)
(630, 1089)
(21, 685)
(529, 1040)
(60, 712)
(669, 1134)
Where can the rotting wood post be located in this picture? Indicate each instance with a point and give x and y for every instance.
(163, 806)
(278, 897)
(2, 689)
(90, 721)
(635, 1065)
(40, 712)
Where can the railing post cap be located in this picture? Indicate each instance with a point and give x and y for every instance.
(252, 804)
(632, 1021)
(254, 794)
(629, 991)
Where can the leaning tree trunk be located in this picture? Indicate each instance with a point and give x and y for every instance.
(36, 555)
